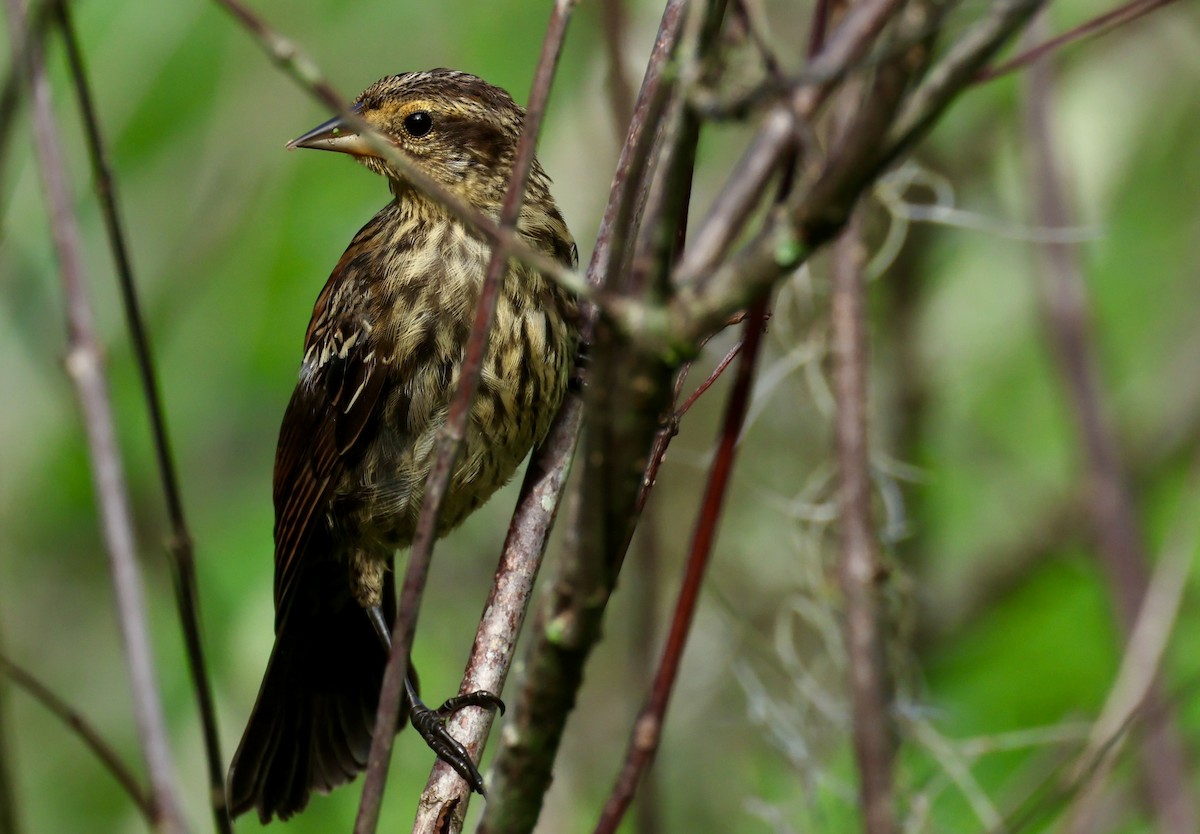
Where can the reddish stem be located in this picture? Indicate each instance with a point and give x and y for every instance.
(647, 730)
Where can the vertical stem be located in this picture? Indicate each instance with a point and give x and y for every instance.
(860, 571)
(1116, 528)
(85, 366)
(180, 542)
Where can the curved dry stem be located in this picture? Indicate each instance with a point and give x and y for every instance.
(85, 367)
(180, 542)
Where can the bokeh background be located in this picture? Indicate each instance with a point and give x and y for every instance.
(1006, 641)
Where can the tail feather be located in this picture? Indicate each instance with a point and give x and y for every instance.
(311, 725)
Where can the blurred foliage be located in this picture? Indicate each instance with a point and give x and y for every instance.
(232, 239)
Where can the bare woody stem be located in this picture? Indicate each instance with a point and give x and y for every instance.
(443, 805)
(85, 367)
(1099, 25)
(1114, 519)
(860, 569)
(453, 433)
(180, 542)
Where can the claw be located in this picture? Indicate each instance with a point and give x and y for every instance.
(431, 724)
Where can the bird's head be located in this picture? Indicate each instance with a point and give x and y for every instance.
(458, 128)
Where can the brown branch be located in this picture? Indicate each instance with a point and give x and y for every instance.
(620, 90)
(744, 187)
(10, 92)
(454, 431)
(1099, 25)
(860, 567)
(443, 805)
(85, 366)
(709, 294)
(1113, 517)
(180, 542)
(955, 71)
(647, 731)
(82, 728)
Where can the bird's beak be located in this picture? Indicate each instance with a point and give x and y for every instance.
(334, 135)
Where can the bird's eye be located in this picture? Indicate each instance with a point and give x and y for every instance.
(418, 124)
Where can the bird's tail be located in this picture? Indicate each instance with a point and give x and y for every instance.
(312, 723)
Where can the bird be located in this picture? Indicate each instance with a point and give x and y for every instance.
(381, 361)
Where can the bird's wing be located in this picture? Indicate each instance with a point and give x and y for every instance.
(330, 418)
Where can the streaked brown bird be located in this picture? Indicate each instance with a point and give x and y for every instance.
(382, 358)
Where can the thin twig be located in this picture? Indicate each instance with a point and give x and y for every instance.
(288, 55)
(956, 70)
(745, 185)
(1142, 661)
(85, 366)
(8, 796)
(860, 568)
(81, 727)
(454, 431)
(1114, 519)
(180, 542)
(620, 89)
(647, 731)
(10, 92)
(670, 428)
(1099, 25)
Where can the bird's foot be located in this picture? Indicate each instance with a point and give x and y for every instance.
(431, 724)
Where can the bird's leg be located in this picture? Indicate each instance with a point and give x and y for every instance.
(431, 723)
(381, 628)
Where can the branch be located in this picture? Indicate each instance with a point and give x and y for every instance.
(707, 296)
(860, 567)
(180, 543)
(647, 733)
(77, 724)
(620, 89)
(1114, 520)
(443, 805)
(1099, 25)
(85, 367)
(453, 433)
(744, 187)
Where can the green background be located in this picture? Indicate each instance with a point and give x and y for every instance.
(232, 238)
